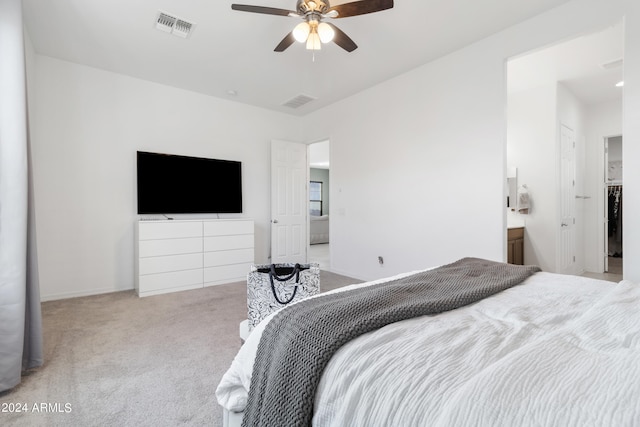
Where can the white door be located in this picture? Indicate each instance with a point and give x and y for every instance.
(567, 250)
(289, 172)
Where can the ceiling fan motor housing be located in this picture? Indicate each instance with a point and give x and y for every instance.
(312, 6)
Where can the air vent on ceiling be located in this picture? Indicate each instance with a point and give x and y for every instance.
(298, 101)
(174, 25)
(616, 63)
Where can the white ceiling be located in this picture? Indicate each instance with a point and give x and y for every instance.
(233, 51)
(578, 64)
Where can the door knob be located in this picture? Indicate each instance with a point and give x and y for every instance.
(275, 221)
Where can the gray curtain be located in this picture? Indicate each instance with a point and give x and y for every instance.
(20, 316)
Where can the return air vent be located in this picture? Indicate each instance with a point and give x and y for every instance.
(298, 101)
(174, 25)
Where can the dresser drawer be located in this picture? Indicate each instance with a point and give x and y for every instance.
(223, 243)
(150, 248)
(227, 227)
(237, 256)
(151, 230)
(164, 264)
(226, 273)
(176, 279)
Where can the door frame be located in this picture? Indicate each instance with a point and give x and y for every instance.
(321, 140)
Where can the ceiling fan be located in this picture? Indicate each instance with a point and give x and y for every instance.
(313, 30)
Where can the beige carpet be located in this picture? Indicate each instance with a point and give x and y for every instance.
(120, 360)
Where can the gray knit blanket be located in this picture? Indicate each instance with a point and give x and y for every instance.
(299, 341)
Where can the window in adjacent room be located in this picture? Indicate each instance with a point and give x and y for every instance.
(315, 198)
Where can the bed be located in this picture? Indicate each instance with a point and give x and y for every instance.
(555, 350)
(318, 229)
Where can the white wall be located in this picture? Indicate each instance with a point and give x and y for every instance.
(614, 153)
(418, 162)
(417, 165)
(87, 127)
(437, 195)
(631, 149)
(534, 117)
(532, 148)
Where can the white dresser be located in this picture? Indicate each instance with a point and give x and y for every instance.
(176, 255)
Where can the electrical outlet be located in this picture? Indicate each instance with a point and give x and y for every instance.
(380, 260)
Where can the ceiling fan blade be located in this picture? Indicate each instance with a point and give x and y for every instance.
(361, 7)
(285, 43)
(343, 40)
(261, 9)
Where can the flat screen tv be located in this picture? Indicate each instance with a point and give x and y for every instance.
(172, 184)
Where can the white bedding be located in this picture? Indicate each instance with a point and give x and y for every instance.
(556, 350)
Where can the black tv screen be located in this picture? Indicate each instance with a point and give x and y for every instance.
(171, 184)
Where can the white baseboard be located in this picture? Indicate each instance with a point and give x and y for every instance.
(75, 294)
(347, 274)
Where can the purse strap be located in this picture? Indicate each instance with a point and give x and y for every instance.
(274, 275)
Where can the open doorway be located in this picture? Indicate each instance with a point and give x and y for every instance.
(319, 204)
(569, 85)
(613, 205)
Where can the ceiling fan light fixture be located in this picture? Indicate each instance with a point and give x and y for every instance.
(325, 32)
(313, 31)
(301, 32)
(313, 42)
